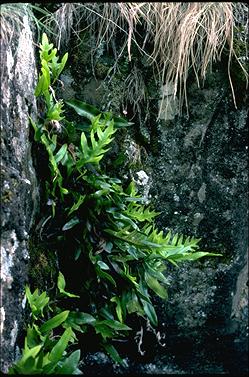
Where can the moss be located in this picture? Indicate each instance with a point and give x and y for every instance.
(101, 70)
(240, 50)
(7, 196)
(43, 267)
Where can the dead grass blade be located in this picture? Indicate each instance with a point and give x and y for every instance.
(181, 36)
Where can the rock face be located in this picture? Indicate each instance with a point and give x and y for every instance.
(195, 171)
(197, 178)
(19, 193)
(200, 182)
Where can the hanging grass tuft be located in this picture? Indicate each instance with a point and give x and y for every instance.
(177, 37)
(183, 36)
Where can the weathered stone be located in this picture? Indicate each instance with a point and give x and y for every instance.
(203, 162)
(19, 193)
(168, 104)
(198, 180)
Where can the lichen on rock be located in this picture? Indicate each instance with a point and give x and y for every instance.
(19, 195)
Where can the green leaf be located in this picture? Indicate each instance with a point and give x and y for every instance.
(80, 318)
(192, 256)
(83, 109)
(27, 353)
(61, 285)
(125, 219)
(133, 305)
(126, 274)
(60, 66)
(118, 307)
(76, 205)
(108, 247)
(89, 112)
(33, 337)
(103, 265)
(104, 330)
(99, 140)
(63, 190)
(28, 295)
(155, 269)
(106, 312)
(78, 251)
(39, 86)
(61, 153)
(71, 223)
(55, 111)
(121, 122)
(140, 213)
(155, 286)
(70, 364)
(58, 350)
(37, 129)
(36, 301)
(111, 350)
(147, 306)
(54, 322)
(115, 325)
(150, 312)
(44, 40)
(28, 367)
(106, 276)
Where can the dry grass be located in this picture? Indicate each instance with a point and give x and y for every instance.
(183, 36)
(191, 35)
(135, 89)
(62, 23)
(12, 17)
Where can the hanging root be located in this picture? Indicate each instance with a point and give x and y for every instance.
(157, 334)
(139, 340)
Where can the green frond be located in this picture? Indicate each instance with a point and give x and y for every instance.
(99, 140)
(140, 213)
(110, 227)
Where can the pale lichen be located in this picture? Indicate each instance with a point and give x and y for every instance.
(8, 253)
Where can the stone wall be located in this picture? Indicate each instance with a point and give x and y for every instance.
(201, 185)
(196, 173)
(19, 193)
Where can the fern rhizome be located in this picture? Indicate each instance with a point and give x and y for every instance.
(109, 249)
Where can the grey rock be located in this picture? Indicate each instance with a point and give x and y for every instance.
(207, 306)
(198, 180)
(19, 190)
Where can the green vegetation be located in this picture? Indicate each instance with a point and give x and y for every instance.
(111, 233)
(47, 342)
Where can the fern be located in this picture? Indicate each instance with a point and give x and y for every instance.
(159, 246)
(139, 213)
(55, 171)
(109, 229)
(99, 141)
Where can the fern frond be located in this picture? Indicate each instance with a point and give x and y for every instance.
(158, 246)
(140, 213)
(135, 237)
(99, 141)
(176, 242)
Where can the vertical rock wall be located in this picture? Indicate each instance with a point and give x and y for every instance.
(200, 181)
(197, 177)
(19, 194)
